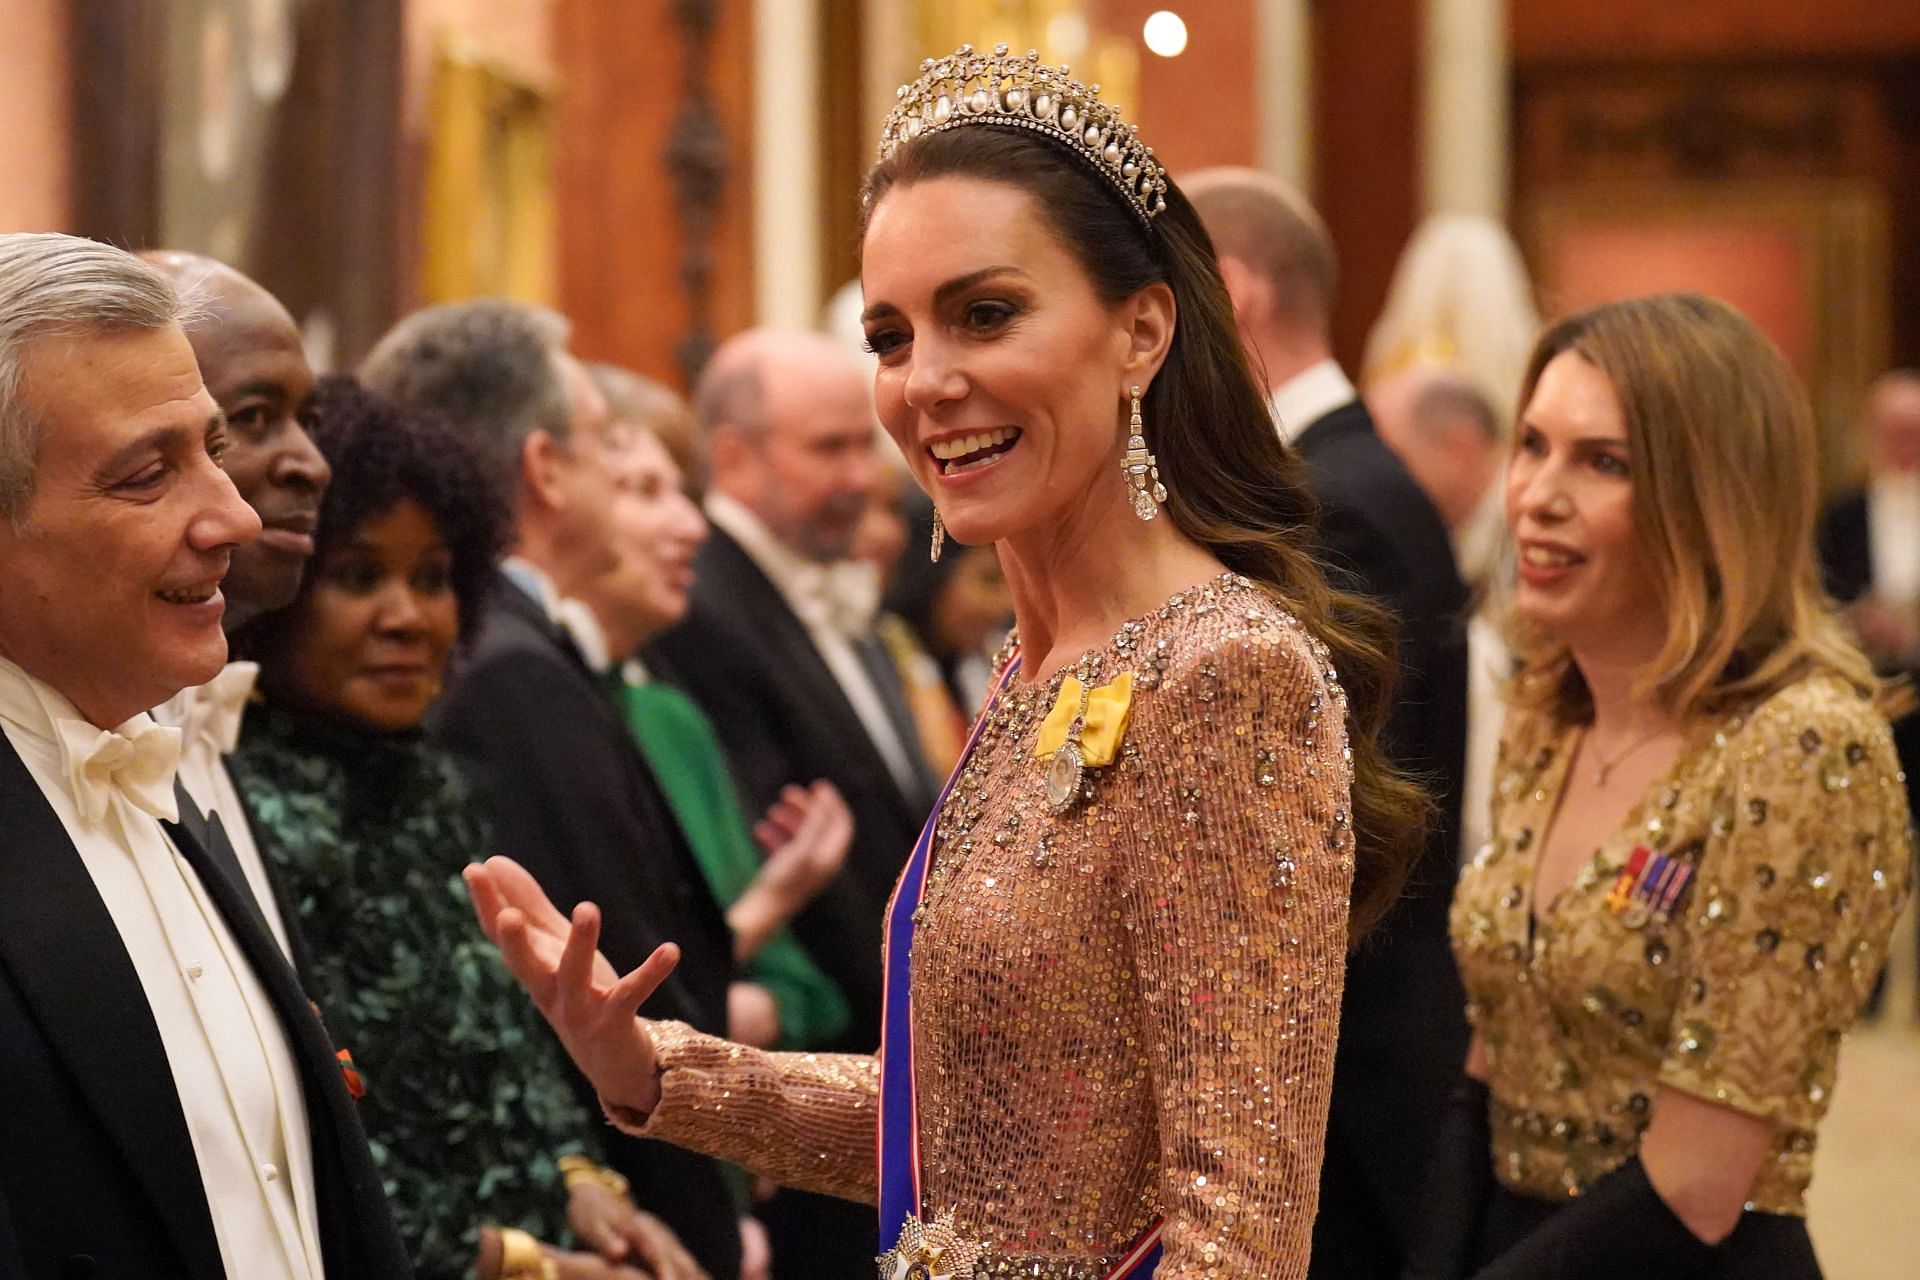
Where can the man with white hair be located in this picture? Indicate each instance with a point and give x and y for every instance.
(172, 1106)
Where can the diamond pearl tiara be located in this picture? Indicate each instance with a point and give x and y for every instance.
(968, 88)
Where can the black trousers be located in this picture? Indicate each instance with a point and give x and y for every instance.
(818, 1237)
(1765, 1246)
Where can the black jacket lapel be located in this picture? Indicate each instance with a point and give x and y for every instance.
(357, 1236)
(690, 889)
(65, 953)
(787, 643)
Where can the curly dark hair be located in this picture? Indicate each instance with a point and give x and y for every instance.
(380, 453)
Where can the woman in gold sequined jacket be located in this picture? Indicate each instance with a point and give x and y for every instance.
(1699, 828)
(1127, 982)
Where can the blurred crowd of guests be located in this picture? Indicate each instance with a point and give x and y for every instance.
(690, 660)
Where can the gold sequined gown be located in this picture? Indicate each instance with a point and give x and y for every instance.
(1793, 817)
(1126, 1012)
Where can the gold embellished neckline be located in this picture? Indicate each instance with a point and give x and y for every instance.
(1015, 713)
(1125, 638)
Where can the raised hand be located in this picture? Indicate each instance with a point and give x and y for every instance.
(805, 834)
(591, 1007)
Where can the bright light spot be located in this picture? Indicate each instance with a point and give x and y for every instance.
(1166, 33)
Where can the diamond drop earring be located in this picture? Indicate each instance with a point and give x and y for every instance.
(1141, 468)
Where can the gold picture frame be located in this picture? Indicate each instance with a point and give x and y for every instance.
(488, 205)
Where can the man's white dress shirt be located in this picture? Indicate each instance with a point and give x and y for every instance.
(208, 717)
(1309, 396)
(572, 616)
(837, 604)
(1893, 539)
(233, 1070)
(582, 624)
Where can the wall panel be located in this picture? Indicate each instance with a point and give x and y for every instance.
(1366, 150)
(1712, 28)
(630, 267)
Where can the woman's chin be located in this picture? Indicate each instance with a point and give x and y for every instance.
(1538, 613)
(974, 529)
(978, 518)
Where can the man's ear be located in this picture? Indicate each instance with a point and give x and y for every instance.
(727, 457)
(542, 459)
(1250, 290)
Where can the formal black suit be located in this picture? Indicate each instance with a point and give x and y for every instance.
(97, 1171)
(751, 664)
(572, 800)
(1403, 1032)
(1845, 538)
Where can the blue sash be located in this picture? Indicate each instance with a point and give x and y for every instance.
(899, 1129)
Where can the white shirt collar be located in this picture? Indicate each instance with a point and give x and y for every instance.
(49, 721)
(533, 580)
(841, 596)
(209, 715)
(1309, 396)
(30, 703)
(583, 624)
(780, 565)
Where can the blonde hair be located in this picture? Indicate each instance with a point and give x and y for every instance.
(638, 401)
(1460, 301)
(1725, 469)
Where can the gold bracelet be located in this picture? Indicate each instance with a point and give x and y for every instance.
(522, 1258)
(575, 1170)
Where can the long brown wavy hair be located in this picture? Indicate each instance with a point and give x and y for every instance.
(1721, 443)
(1233, 487)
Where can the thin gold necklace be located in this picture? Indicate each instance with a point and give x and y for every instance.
(1603, 767)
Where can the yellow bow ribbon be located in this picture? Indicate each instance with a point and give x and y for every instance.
(1109, 707)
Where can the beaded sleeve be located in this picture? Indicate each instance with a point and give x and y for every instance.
(1805, 869)
(1235, 890)
(805, 1120)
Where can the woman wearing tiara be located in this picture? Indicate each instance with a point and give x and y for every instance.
(1116, 954)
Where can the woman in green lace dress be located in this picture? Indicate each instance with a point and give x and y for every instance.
(469, 1108)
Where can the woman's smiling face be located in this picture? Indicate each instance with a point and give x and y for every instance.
(1003, 374)
(1584, 574)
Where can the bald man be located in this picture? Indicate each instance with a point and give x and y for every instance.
(251, 356)
(253, 364)
(780, 651)
(1403, 1033)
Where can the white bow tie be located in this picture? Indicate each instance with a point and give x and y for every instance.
(217, 707)
(103, 763)
(842, 597)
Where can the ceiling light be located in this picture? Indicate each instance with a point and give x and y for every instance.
(1165, 33)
